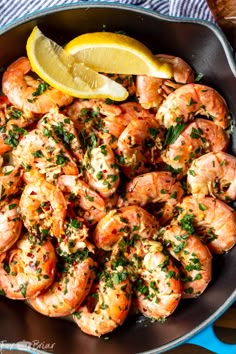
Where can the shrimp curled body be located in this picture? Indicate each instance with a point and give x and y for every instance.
(192, 99)
(139, 146)
(107, 305)
(27, 269)
(160, 277)
(102, 172)
(87, 199)
(194, 256)
(67, 292)
(10, 179)
(61, 126)
(43, 207)
(198, 138)
(45, 153)
(151, 91)
(213, 174)
(21, 94)
(214, 220)
(121, 222)
(153, 187)
(10, 224)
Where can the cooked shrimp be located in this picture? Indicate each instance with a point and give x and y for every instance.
(106, 121)
(74, 238)
(16, 120)
(3, 146)
(45, 153)
(139, 146)
(194, 257)
(132, 110)
(214, 220)
(181, 70)
(12, 123)
(9, 113)
(213, 174)
(68, 291)
(151, 91)
(28, 94)
(96, 122)
(190, 100)
(101, 171)
(10, 224)
(27, 269)
(107, 305)
(198, 138)
(4, 102)
(127, 81)
(83, 112)
(10, 179)
(158, 288)
(59, 125)
(90, 201)
(124, 222)
(111, 202)
(153, 187)
(13, 131)
(80, 107)
(32, 175)
(113, 125)
(43, 208)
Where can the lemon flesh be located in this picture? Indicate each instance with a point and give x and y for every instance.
(115, 53)
(60, 70)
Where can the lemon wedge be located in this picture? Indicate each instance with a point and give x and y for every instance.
(115, 53)
(60, 70)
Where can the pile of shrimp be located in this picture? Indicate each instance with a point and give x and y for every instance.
(109, 209)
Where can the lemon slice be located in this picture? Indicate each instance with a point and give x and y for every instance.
(115, 53)
(60, 70)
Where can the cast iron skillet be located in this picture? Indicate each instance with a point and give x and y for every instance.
(206, 49)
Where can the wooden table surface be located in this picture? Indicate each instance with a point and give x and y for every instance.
(225, 329)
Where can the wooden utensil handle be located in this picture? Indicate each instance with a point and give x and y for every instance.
(224, 12)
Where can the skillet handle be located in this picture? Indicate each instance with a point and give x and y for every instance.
(208, 340)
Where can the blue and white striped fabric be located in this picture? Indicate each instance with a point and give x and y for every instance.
(11, 10)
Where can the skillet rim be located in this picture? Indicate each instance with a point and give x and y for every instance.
(228, 50)
(82, 4)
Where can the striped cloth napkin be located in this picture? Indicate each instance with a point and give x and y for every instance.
(15, 9)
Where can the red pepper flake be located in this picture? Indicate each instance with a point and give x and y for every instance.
(30, 255)
(114, 232)
(45, 257)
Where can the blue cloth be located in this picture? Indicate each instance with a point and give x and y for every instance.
(11, 10)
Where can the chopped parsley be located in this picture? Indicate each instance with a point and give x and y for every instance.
(173, 133)
(42, 87)
(187, 223)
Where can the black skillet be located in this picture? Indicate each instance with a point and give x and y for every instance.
(203, 46)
